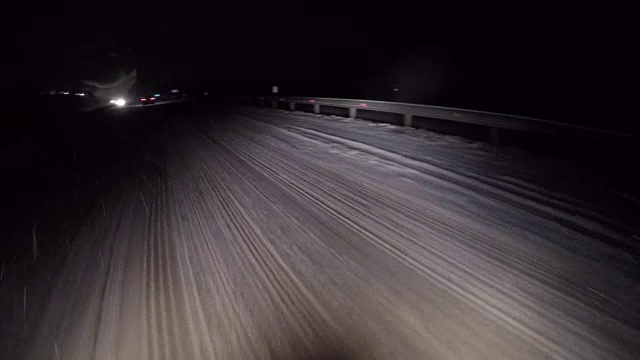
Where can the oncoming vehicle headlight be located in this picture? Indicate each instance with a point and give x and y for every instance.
(120, 102)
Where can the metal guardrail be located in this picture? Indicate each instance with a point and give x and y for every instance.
(494, 121)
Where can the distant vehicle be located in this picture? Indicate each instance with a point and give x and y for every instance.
(118, 102)
(148, 100)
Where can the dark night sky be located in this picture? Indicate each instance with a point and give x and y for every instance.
(568, 64)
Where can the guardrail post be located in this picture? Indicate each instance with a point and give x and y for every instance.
(352, 112)
(494, 136)
(316, 108)
(408, 119)
(292, 106)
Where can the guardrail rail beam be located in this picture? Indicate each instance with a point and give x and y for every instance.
(494, 121)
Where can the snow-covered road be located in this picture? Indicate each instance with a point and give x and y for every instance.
(260, 234)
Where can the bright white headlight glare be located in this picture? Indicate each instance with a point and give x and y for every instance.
(120, 102)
